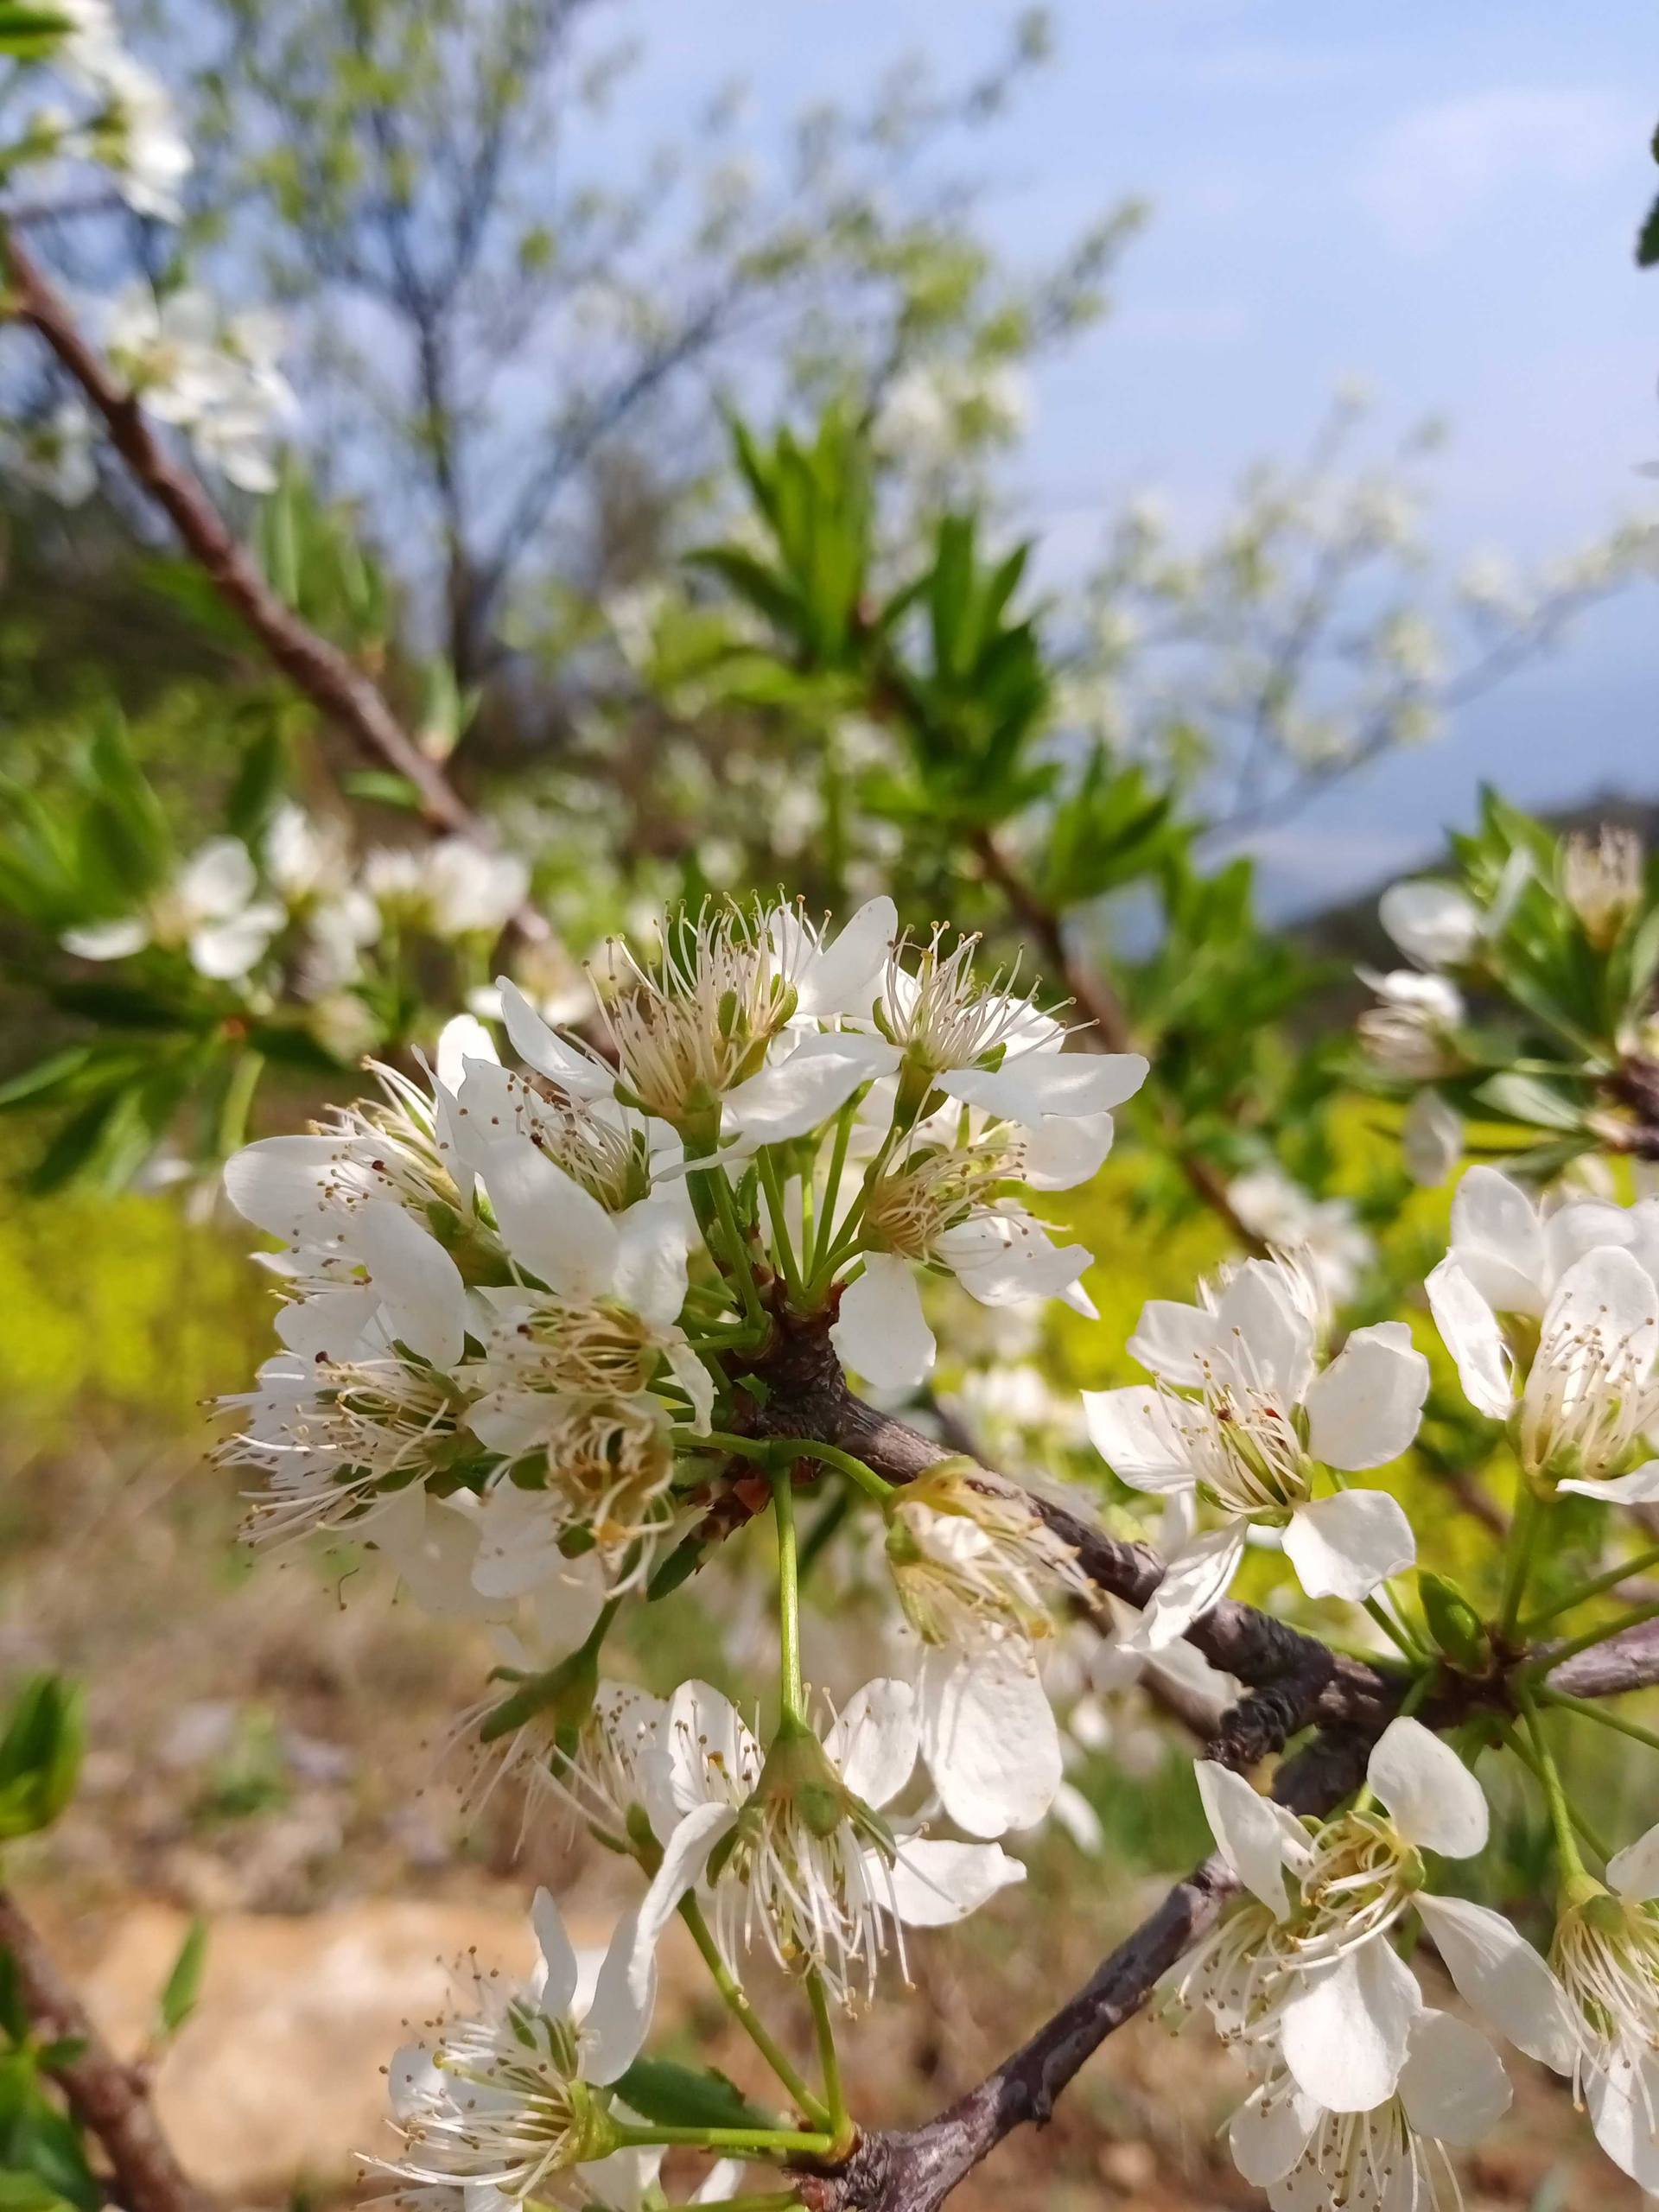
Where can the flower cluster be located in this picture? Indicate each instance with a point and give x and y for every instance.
(551, 1331)
(212, 375)
(519, 1303)
(121, 115)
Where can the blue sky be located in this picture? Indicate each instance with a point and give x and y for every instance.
(1438, 198)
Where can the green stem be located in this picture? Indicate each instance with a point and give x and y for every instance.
(746, 2016)
(711, 1176)
(841, 2125)
(1561, 1812)
(791, 1697)
(768, 1450)
(1513, 1743)
(760, 2142)
(1523, 1534)
(1544, 1663)
(825, 1224)
(1587, 1709)
(846, 1235)
(1586, 1591)
(781, 2200)
(774, 1183)
(1403, 1641)
(238, 1101)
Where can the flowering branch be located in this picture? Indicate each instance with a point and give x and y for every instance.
(327, 677)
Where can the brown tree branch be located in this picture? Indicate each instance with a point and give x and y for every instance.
(109, 2098)
(327, 678)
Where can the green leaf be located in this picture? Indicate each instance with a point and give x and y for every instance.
(118, 1006)
(260, 776)
(183, 1985)
(45, 1077)
(686, 2096)
(383, 785)
(1647, 239)
(40, 1754)
(27, 2192)
(682, 1562)
(29, 34)
(1527, 1098)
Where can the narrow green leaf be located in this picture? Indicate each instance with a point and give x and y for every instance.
(183, 1985)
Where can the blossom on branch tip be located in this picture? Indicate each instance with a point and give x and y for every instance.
(1241, 1417)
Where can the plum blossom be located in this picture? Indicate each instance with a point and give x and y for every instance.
(1391, 2158)
(793, 1841)
(212, 376)
(1434, 924)
(1242, 1416)
(503, 2101)
(1607, 1954)
(210, 909)
(1303, 1975)
(1323, 1236)
(1413, 1032)
(977, 1570)
(1585, 1277)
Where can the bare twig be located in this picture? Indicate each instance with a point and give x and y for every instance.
(108, 2098)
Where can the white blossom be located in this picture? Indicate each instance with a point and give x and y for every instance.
(1242, 1415)
(210, 910)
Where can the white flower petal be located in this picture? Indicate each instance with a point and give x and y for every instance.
(685, 1858)
(1453, 2084)
(1623, 2099)
(226, 951)
(1195, 1579)
(1470, 1331)
(936, 1883)
(618, 2019)
(1344, 2031)
(704, 1732)
(459, 1040)
(1496, 1972)
(551, 1225)
(989, 1737)
(1248, 1833)
(547, 1053)
(1062, 1152)
(880, 1331)
(419, 1286)
(652, 1242)
(1267, 2135)
(1634, 1872)
(1258, 1315)
(843, 977)
(794, 1094)
(1498, 1243)
(1029, 1085)
(875, 1741)
(1639, 1487)
(1137, 1433)
(1346, 1545)
(1174, 1342)
(433, 1550)
(1432, 1797)
(1433, 923)
(1363, 1410)
(693, 1376)
(218, 879)
(559, 1970)
(107, 940)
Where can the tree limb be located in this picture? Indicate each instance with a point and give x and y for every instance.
(341, 691)
(109, 2098)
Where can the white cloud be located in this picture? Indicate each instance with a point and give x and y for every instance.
(1441, 164)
